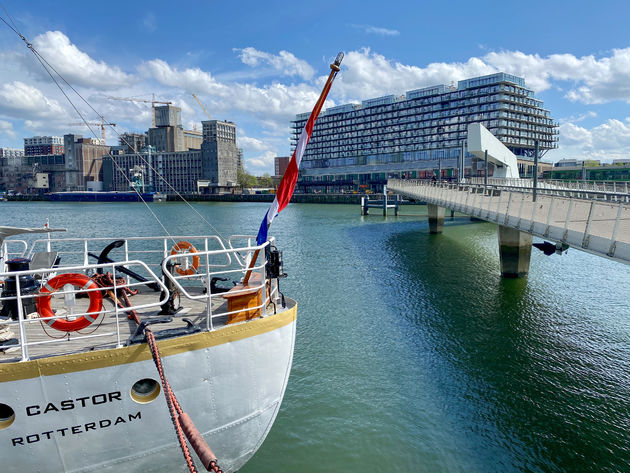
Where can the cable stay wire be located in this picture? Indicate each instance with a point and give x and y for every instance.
(48, 67)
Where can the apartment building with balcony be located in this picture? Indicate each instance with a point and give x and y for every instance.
(358, 146)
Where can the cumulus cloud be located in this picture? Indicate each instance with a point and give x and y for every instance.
(253, 144)
(18, 99)
(606, 141)
(590, 80)
(284, 63)
(276, 100)
(261, 163)
(76, 66)
(367, 74)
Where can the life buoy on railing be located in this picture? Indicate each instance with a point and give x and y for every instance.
(183, 247)
(84, 283)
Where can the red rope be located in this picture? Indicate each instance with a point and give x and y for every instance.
(173, 406)
(177, 416)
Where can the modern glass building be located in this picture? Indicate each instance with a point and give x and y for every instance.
(358, 146)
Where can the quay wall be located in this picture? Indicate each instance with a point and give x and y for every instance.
(297, 198)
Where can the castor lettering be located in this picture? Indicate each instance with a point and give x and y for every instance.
(69, 404)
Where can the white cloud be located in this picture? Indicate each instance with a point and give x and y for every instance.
(369, 29)
(21, 100)
(261, 163)
(606, 141)
(6, 129)
(367, 74)
(571, 134)
(284, 63)
(277, 100)
(74, 65)
(578, 118)
(254, 144)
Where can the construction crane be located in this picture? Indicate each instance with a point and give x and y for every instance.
(202, 107)
(152, 102)
(102, 125)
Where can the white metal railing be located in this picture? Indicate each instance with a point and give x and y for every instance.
(151, 250)
(20, 301)
(237, 272)
(11, 249)
(231, 263)
(597, 226)
(616, 188)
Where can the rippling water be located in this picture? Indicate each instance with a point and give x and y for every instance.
(413, 354)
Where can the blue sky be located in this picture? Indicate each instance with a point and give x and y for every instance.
(260, 63)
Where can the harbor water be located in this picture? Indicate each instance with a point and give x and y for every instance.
(412, 353)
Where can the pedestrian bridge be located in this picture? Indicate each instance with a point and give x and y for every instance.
(590, 218)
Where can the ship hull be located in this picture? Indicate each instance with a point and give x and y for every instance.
(115, 196)
(75, 413)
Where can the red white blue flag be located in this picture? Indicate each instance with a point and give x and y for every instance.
(287, 184)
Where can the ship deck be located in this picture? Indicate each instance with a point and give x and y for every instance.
(113, 329)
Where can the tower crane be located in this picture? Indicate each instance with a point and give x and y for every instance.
(202, 107)
(152, 102)
(102, 125)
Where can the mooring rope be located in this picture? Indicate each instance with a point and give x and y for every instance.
(184, 427)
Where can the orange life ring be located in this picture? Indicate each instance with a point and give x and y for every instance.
(185, 247)
(79, 280)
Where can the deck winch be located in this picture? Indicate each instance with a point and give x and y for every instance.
(28, 287)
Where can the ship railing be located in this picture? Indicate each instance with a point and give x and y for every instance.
(268, 289)
(11, 249)
(24, 298)
(151, 250)
(195, 286)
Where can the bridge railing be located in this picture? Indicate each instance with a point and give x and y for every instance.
(614, 187)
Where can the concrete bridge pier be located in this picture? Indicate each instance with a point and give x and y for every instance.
(515, 249)
(436, 218)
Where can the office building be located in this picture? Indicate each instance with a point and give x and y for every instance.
(41, 145)
(220, 156)
(358, 146)
(179, 170)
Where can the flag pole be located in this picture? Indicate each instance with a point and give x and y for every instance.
(334, 69)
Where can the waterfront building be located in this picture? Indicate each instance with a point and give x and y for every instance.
(41, 145)
(25, 174)
(11, 153)
(133, 142)
(220, 156)
(179, 169)
(358, 146)
(168, 134)
(589, 170)
(83, 162)
(280, 165)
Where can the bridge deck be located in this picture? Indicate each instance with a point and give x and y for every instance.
(599, 227)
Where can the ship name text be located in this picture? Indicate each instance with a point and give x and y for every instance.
(70, 404)
(75, 429)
